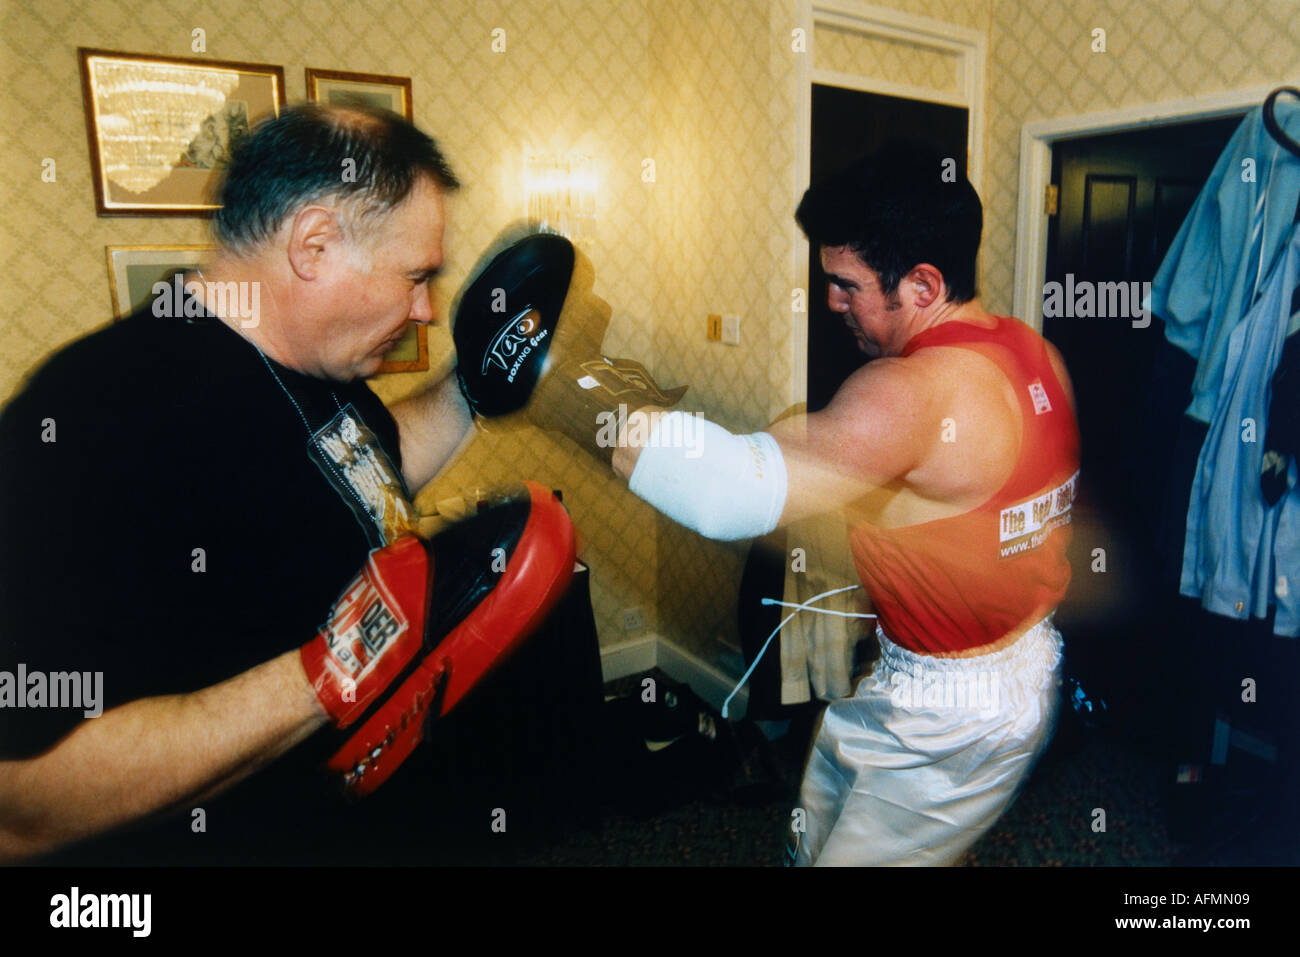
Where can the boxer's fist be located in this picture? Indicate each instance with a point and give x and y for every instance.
(581, 398)
(529, 334)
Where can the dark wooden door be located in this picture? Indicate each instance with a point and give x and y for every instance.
(1122, 199)
(847, 124)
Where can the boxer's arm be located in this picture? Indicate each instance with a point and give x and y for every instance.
(153, 754)
(431, 427)
(876, 430)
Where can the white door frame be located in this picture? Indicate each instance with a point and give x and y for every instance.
(1036, 141)
(967, 45)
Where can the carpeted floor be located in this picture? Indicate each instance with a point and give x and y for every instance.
(1237, 818)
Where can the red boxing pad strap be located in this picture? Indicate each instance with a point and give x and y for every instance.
(535, 575)
(375, 629)
(382, 743)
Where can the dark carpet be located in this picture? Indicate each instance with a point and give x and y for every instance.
(726, 802)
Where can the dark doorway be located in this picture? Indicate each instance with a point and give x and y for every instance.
(847, 124)
(1123, 197)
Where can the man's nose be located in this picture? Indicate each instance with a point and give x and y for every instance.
(422, 310)
(837, 300)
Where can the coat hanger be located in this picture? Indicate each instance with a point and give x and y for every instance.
(1274, 128)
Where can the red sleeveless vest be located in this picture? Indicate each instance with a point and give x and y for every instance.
(962, 582)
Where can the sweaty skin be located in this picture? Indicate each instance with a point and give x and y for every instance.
(904, 440)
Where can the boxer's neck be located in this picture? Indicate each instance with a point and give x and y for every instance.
(972, 312)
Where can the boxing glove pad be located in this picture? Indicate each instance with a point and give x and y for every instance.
(496, 576)
(503, 322)
(375, 630)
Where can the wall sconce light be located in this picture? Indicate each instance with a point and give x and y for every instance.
(560, 193)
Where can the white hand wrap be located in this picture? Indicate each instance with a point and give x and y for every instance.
(724, 486)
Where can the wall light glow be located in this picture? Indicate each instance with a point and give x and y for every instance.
(560, 193)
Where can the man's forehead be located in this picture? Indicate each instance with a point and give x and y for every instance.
(423, 205)
(844, 260)
(420, 221)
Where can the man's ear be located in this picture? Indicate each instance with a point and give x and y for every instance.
(314, 239)
(927, 284)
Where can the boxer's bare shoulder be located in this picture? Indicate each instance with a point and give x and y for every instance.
(976, 444)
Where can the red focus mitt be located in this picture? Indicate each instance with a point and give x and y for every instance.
(425, 621)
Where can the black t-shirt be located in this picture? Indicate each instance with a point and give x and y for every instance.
(166, 520)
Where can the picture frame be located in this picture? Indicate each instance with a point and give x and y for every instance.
(161, 128)
(411, 354)
(133, 270)
(336, 88)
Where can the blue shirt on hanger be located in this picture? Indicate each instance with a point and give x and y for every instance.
(1240, 554)
(1229, 242)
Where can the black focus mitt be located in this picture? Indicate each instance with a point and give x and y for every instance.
(504, 322)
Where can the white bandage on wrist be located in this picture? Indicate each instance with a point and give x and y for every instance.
(724, 486)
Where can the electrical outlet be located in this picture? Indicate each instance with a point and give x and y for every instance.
(714, 330)
(731, 330)
(633, 619)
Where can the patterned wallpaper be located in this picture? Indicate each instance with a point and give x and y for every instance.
(726, 197)
(1041, 65)
(882, 58)
(574, 76)
(707, 89)
(964, 13)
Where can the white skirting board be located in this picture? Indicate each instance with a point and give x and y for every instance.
(650, 651)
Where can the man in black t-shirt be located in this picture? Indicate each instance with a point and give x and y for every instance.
(184, 493)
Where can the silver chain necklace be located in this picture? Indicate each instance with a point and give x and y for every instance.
(311, 436)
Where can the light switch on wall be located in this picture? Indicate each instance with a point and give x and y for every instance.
(714, 330)
(731, 330)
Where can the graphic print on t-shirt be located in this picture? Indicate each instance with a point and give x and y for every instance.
(1025, 526)
(358, 468)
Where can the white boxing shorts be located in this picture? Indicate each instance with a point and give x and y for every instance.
(926, 754)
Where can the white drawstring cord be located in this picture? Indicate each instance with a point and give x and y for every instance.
(806, 606)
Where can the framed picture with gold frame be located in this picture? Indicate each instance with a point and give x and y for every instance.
(411, 354)
(133, 271)
(336, 88)
(162, 128)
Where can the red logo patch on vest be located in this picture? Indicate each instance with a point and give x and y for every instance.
(1039, 395)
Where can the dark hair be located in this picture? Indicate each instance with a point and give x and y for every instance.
(896, 209)
(367, 157)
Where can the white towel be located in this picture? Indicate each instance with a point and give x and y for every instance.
(817, 650)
